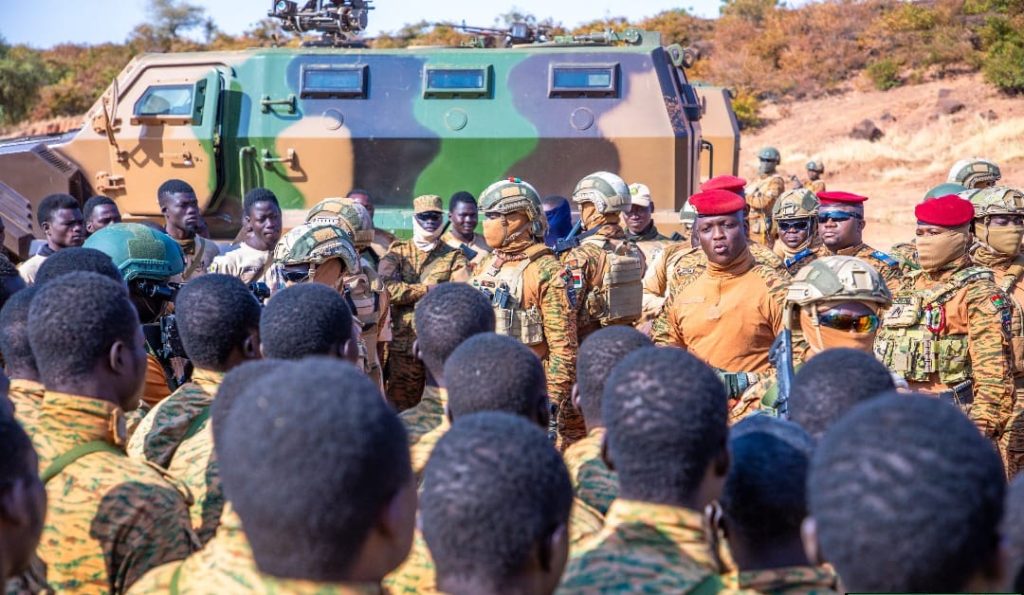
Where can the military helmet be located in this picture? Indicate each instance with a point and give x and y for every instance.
(817, 166)
(607, 191)
(315, 244)
(970, 172)
(511, 195)
(944, 189)
(139, 252)
(838, 278)
(769, 154)
(997, 200)
(344, 213)
(796, 204)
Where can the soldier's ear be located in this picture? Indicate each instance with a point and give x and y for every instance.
(554, 550)
(575, 395)
(349, 351)
(416, 350)
(251, 345)
(604, 453)
(809, 537)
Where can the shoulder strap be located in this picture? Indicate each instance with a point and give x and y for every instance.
(1013, 274)
(959, 280)
(175, 579)
(197, 258)
(61, 462)
(796, 258)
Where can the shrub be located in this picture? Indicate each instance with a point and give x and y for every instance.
(748, 109)
(885, 74)
(1004, 66)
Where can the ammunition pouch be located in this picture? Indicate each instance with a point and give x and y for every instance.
(915, 355)
(620, 298)
(504, 289)
(737, 383)
(960, 395)
(525, 325)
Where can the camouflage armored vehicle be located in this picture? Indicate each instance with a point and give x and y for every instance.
(314, 122)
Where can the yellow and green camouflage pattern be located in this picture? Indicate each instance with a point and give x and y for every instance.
(792, 580)
(427, 415)
(592, 480)
(27, 398)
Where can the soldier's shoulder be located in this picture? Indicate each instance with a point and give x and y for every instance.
(879, 256)
(764, 255)
(774, 277)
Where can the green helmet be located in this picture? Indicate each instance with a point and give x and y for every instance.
(838, 278)
(512, 195)
(607, 191)
(347, 214)
(315, 244)
(997, 200)
(943, 190)
(816, 166)
(139, 252)
(796, 204)
(769, 154)
(974, 171)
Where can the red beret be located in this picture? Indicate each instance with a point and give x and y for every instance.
(730, 183)
(717, 202)
(840, 198)
(946, 211)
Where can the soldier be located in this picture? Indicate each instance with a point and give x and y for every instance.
(841, 226)
(814, 182)
(445, 318)
(762, 193)
(25, 391)
(334, 522)
(180, 209)
(763, 504)
(528, 289)
(559, 217)
(879, 496)
(488, 519)
(640, 226)
(592, 480)
(729, 313)
(907, 251)
(974, 173)
(667, 442)
(261, 221)
(23, 508)
(218, 322)
(147, 260)
(99, 212)
(947, 332)
(795, 217)
(606, 269)
(60, 218)
(370, 302)
(382, 239)
(110, 518)
(409, 270)
(463, 214)
(308, 320)
(10, 281)
(998, 230)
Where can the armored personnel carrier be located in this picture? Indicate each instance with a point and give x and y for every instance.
(314, 122)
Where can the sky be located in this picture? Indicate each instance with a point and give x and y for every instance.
(49, 22)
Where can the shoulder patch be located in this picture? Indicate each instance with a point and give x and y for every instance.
(885, 258)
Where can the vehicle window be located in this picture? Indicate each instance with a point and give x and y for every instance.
(330, 81)
(456, 82)
(584, 80)
(165, 100)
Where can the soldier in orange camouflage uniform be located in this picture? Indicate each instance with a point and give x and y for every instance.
(528, 290)
(947, 332)
(727, 315)
(110, 518)
(381, 239)
(409, 270)
(998, 229)
(762, 193)
(841, 226)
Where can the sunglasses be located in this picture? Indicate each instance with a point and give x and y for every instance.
(842, 321)
(838, 216)
(295, 276)
(794, 225)
(429, 216)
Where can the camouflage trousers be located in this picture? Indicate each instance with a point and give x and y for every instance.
(570, 425)
(405, 379)
(1011, 444)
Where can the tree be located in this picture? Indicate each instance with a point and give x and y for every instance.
(170, 20)
(22, 74)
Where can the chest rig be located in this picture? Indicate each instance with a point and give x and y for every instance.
(504, 288)
(363, 297)
(912, 342)
(619, 299)
(1010, 280)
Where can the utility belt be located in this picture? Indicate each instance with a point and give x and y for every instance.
(960, 395)
(737, 383)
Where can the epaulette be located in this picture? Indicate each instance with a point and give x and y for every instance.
(885, 258)
(799, 256)
(676, 237)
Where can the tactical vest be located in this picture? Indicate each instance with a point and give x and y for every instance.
(363, 297)
(1012, 277)
(620, 298)
(910, 342)
(504, 287)
(760, 217)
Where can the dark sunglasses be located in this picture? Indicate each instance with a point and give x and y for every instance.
(842, 321)
(837, 216)
(295, 276)
(803, 225)
(429, 216)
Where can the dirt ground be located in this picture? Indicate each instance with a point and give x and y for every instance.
(918, 149)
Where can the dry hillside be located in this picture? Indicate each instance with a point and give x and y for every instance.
(919, 146)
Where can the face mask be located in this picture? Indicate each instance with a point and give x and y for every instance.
(821, 337)
(936, 251)
(494, 232)
(329, 273)
(509, 234)
(1004, 239)
(423, 239)
(766, 167)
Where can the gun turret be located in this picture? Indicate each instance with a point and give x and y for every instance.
(341, 22)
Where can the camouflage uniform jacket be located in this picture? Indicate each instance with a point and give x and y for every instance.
(592, 480)
(110, 519)
(419, 453)
(643, 548)
(761, 196)
(407, 272)
(794, 580)
(815, 186)
(27, 397)
(199, 253)
(979, 311)
(478, 245)
(891, 269)
(427, 415)
(586, 264)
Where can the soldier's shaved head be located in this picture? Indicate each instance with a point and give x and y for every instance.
(444, 318)
(906, 497)
(598, 355)
(234, 384)
(304, 320)
(172, 187)
(218, 320)
(14, 346)
(10, 281)
(833, 382)
(70, 260)
(664, 435)
(22, 498)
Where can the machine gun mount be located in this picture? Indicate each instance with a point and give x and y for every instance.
(340, 22)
